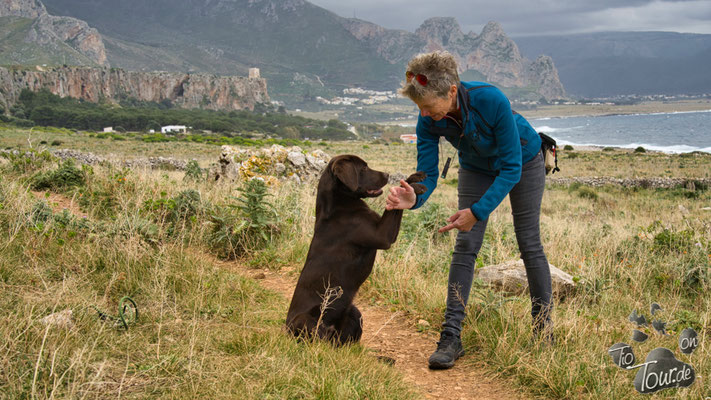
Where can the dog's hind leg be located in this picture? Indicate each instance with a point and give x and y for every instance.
(351, 326)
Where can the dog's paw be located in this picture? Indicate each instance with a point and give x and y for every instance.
(418, 176)
(419, 188)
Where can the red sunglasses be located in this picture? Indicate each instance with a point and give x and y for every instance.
(421, 79)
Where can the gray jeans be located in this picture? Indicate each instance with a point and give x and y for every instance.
(525, 199)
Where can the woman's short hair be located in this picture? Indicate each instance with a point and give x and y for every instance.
(440, 69)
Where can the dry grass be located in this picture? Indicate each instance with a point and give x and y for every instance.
(207, 332)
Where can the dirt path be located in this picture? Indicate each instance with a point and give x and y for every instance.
(395, 336)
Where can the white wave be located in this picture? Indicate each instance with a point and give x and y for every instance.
(550, 129)
(666, 113)
(673, 149)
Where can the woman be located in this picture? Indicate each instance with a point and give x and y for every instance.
(499, 154)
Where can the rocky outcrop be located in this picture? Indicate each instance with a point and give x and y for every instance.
(93, 84)
(52, 31)
(75, 32)
(492, 53)
(544, 75)
(22, 8)
(270, 164)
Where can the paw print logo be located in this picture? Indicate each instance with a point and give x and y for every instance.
(661, 369)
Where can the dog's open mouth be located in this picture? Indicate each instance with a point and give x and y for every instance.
(374, 192)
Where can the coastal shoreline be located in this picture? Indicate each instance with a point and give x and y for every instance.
(596, 110)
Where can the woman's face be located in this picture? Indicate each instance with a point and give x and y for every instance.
(437, 107)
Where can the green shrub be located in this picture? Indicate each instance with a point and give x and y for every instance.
(567, 147)
(178, 212)
(41, 212)
(587, 192)
(246, 225)
(28, 161)
(675, 242)
(193, 172)
(65, 176)
(56, 143)
(640, 149)
(608, 149)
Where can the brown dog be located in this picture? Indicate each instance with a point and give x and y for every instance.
(346, 237)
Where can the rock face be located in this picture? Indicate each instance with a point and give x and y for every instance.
(53, 31)
(92, 84)
(544, 75)
(510, 277)
(491, 53)
(22, 8)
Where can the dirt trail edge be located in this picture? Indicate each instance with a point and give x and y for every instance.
(391, 334)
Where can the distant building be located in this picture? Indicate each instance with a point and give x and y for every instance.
(173, 128)
(408, 138)
(108, 129)
(254, 72)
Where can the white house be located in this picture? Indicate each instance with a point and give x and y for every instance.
(173, 128)
(408, 138)
(108, 129)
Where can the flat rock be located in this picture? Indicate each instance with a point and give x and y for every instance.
(510, 277)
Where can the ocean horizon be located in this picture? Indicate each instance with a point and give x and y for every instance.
(668, 132)
(672, 132)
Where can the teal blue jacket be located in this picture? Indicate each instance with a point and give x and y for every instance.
(493, 140)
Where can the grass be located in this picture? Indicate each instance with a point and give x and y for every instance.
(207, 331)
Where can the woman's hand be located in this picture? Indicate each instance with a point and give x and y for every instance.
(463, 220)
(401, 198)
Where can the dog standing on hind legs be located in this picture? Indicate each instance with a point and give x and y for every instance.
(347, 235)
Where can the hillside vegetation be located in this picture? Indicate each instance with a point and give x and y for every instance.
(45, 109)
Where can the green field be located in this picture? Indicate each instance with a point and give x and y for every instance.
(207, 330)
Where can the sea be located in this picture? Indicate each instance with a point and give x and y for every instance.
(676, 132)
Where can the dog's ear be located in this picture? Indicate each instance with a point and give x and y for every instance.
(345, 170)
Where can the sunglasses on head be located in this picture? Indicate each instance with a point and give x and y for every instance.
(421, 79)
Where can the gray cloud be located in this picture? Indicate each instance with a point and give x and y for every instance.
(525, 17)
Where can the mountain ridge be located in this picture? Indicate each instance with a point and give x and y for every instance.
(302, 49)
(627, 63)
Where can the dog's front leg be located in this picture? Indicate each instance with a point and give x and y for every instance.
(381, 234)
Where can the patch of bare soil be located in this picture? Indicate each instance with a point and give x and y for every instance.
(394, 335)
(59, 202)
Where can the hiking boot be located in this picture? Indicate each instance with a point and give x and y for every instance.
(449, 348)
(543, 335)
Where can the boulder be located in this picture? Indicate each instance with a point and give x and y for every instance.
(296, 158)
(510, 277)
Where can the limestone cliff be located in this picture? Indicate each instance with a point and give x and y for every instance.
(92, 84)
(55, 33)
(22, 8)
(492, 53)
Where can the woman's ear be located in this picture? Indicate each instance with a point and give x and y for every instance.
(453, 91)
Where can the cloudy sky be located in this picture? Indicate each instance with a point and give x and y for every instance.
(535, 17)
